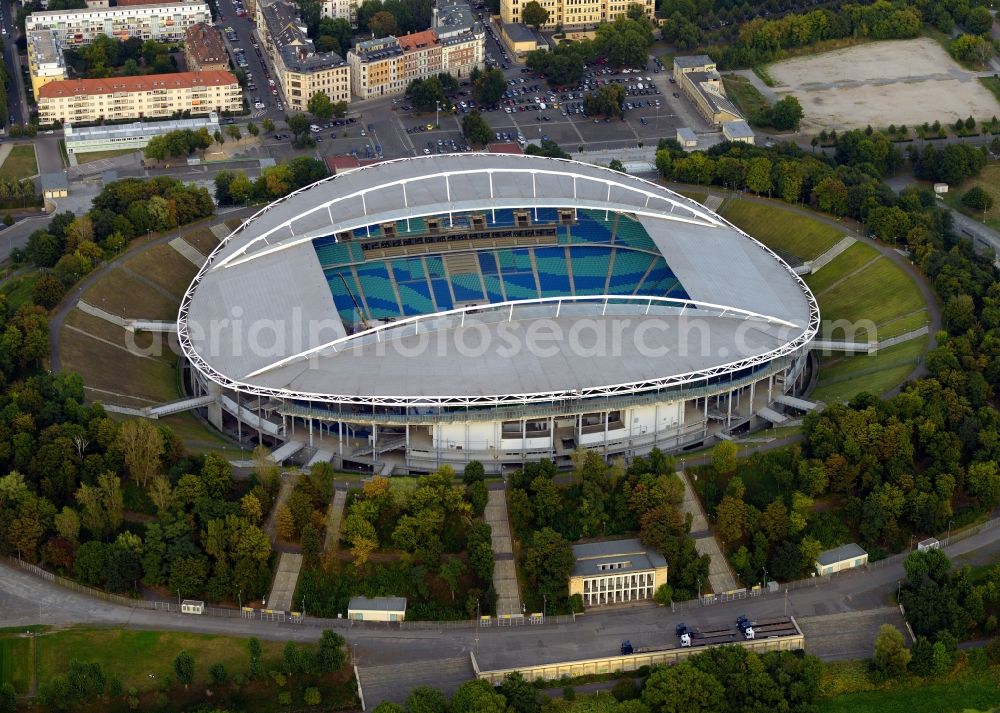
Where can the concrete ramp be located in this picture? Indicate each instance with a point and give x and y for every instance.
(320, 456)
(825, 259)
(800, 404)
(287, 450)
(188, 251)
(504, 572)
(285, 579)
(178, 406)
(394, 682)
(773, 416)
(151, 325)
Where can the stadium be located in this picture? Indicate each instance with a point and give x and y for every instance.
(440, 309)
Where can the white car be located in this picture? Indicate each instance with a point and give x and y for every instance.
(258, 105)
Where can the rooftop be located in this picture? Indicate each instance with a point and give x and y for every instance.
(257, 265)
(839, 554)
(687, 134)
(504, 148)
(205, 43)
(705, 83)
(417, 40)
(288, 32)
(38, 18)
(137, 129)
(389, 604)
(738, 129)
(44, 47)
(631, 556)
(519, 32)
(148, 83)
(693, 60)
(454, 17)
(53, 181)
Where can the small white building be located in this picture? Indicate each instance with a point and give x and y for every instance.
(840, 558)
(931, 543)
(687, 138)
(738, 131)
(377, 609)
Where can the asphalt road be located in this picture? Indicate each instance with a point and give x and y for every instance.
(15, 100)
(26, 600)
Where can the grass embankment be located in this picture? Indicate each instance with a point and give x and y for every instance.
(852, 692)
(989, 181)
(20, 162)
(783, 231)
(17, 289)
(993, 84)
(92, 156)
(746, 96)
(859, 284)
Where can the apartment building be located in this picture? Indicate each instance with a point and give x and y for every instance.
(346, 9)
(203, 49)
(574, 14)
(300, 69)
(46, 62)
(387, 65)
(155, 95)
(164, 21)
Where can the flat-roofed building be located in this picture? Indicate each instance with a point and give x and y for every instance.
(687, 138)
(616, 571)
(154, 95)
(46, 62)
(698, 77)
(203, 49)
(576, 13)
(840, 558)
(377, 609)
(136, 135)
(520, 39)
(738, 131)
(301, 70)
(163, 21)
(387, 65)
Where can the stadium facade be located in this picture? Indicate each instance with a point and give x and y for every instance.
(440, 309)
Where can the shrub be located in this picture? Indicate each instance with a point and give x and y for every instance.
(977, 199)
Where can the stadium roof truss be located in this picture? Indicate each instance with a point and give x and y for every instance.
(561, 184)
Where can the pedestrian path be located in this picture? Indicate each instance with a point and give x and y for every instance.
(720, 576)
(285, 579)
(504, 571)
(333, 521)
(188, 251)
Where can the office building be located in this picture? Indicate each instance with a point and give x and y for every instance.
(575, 13)
(616, 571)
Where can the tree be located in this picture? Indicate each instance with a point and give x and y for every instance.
(48, 291)
(320, 105)
(141, 445)
(424, 699)
(184, 668)
(786, 114)
(267, 123)
(252, 128)
(234, 131)
(476, 129)
(425, 94)
(891, 655)
(977, 199)
(979, 20)
(451, 570)
(534, 14)
(8, 698)
(477, 696)
(724, 457)
(312, 696)
(683, 689)
(489, 87)
(983, 480)
(758, 180)
(616, 165)
(383, 24)
(473, 472)
(388, 707)
(608, 101)
(331, 656)
(521, 696)
(218, 674)
(548, 562)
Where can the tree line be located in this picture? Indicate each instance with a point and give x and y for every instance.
(623, 43)
(110, 56)
(234, 187)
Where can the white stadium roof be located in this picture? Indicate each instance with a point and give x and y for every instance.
(260, 316)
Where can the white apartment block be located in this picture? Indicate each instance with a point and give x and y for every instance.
(346, 9)
(155, 95)
(165, 22)
(575, 13)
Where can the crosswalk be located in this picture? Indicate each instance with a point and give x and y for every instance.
(257, 113)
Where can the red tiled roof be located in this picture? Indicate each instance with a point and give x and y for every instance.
(417, 39)
(337, 164)
(112, 85)
(205, 44)
(504, 148)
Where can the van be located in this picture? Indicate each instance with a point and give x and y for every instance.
(313, 128)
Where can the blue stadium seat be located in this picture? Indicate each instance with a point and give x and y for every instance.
(377, 288)
(552, 276)
(466, 287)
(416, 298)
(442, 294)
(590, 268)
(488, 263)
(631, 233)
(591, 227)
(493, 292)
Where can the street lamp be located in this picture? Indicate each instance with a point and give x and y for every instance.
(949, 531)
(765, 576)
(437, 116)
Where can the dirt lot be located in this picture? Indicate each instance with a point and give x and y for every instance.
(882, 83)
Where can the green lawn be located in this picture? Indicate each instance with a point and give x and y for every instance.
(18, 289)
(98, 155)
(855, 257)
(993, 84)
(133, 655)
(989, 181)
(841, 376)
(880, 292)
(977, 692)
(20, 163)
(746, 96)
(200, 438)
(16, 660)
(781, 230)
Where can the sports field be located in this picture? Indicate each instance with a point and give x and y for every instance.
(881, 83)
(783, 231)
